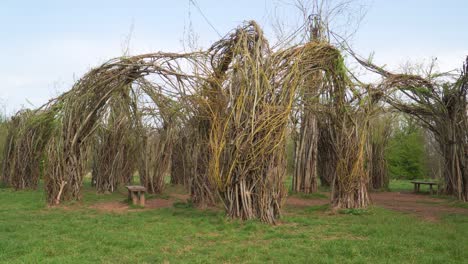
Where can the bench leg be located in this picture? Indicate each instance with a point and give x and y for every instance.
(142, 199)
(415, 189)
(134, 198)
(430, 189)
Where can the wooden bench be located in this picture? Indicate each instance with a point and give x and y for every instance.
(136, 194)
(417, 185)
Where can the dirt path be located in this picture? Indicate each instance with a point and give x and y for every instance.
(426, 207)
(431, 209)
(301, 202)
(122, 207)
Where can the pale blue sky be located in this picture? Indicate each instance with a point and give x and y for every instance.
(47, 44)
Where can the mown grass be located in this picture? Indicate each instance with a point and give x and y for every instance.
(32, 233)
(406, 185)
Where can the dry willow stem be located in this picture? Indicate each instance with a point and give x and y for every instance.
(115, 143)
(344, 119)
(327, 158)
(185, 156)
(248, 118)
(380, 129)
(202, 189)
(157, 138)
(28, 134)
(154, 159)
(181, 159)
(350, 185)
(305, 177)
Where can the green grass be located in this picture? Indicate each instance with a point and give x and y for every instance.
(407, 186)
(32, 233)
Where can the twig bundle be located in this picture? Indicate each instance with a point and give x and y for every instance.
(154, 159)
(248, 118)
(115, 144)
(28, 135)
(380, 129)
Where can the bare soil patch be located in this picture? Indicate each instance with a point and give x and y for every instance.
(180, 196)
(302, 202)
(428, 208)
(423, 206)
(116, 207)
(122, 207)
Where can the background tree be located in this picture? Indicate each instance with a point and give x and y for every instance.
(405, 153)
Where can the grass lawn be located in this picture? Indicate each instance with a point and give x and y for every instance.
(32, 233)
(406, 185)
